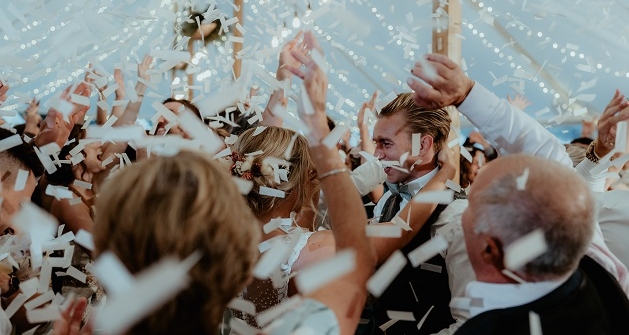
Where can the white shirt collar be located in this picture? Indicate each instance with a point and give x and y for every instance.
(498, 296)
(417, 184)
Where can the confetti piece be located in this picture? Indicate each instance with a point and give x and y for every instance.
(76, 159)
(453, 186)
(387, 325)
(197, 130)
(427, 250)
(20, 180)
(434, 197)
(271, 259)
(16, 304)
(244, 186)
(275, 312)
(109, 90)
(401, 315)
(110, 122)
(421, 322)
(525, 249)
(44, 276)
(380, 230)
(151, 289)
(76, 274)
(401, 223)
(542, 111)
(385, 101)
(85, 239)
(40, 300)
(82, 184)
(521, 180)
(335, 136)
(416, 144)
(59, 192)
(431, 267)
(10, 142)
(535, 324)
(271, 192)
(258, 130)
(322, 273)
(621, 136)
(243, 305)
(50, 313)
(276, 223)
(80, 99)
(383, 277)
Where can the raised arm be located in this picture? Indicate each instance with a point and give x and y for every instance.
(507, 128)
(286, 61)
(345, 295)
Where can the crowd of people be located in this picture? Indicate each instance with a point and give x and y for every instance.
(278, 231)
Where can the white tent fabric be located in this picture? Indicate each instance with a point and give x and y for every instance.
(566, 56)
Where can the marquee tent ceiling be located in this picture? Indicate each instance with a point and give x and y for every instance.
(565, 56)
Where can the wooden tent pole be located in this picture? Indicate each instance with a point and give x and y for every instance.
(237, 46)
(446, 41)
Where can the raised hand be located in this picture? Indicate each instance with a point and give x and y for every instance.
(316, 83)
(617, 110)
(367, 104)
(446, 83)
(70, 321)
(33, 118)
(143, 73)
(55, 128)
(287, 60)
(519, 101)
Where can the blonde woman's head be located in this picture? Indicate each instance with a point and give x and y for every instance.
(271, 145)
(174, 206)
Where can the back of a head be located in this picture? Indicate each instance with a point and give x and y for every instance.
(576, 153)
(22, 156)
(554, 199)
(173, 206)
(273, 143)
(435, 123)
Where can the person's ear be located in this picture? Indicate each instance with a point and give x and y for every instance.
(426, 143)
(493, 253)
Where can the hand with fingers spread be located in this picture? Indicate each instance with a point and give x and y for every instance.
(316, 83)
(519, 101)
(33, 119)
(287, 60)
(143, 73)
(70, 322)
(55, 128)
(444, 83)
(617, 110)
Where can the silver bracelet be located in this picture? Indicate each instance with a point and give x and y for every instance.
(331, 173)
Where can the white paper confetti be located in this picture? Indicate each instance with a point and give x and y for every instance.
(271, 192)
(434, 197)
(322, 273)
(383, 230)
(427, 250)
(525, 249)
(522, 179)
(383, 277)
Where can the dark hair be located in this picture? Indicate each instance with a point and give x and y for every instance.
(464, 165)
(582, 140)
(64, 175)
(186, 104)
(24, 153)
